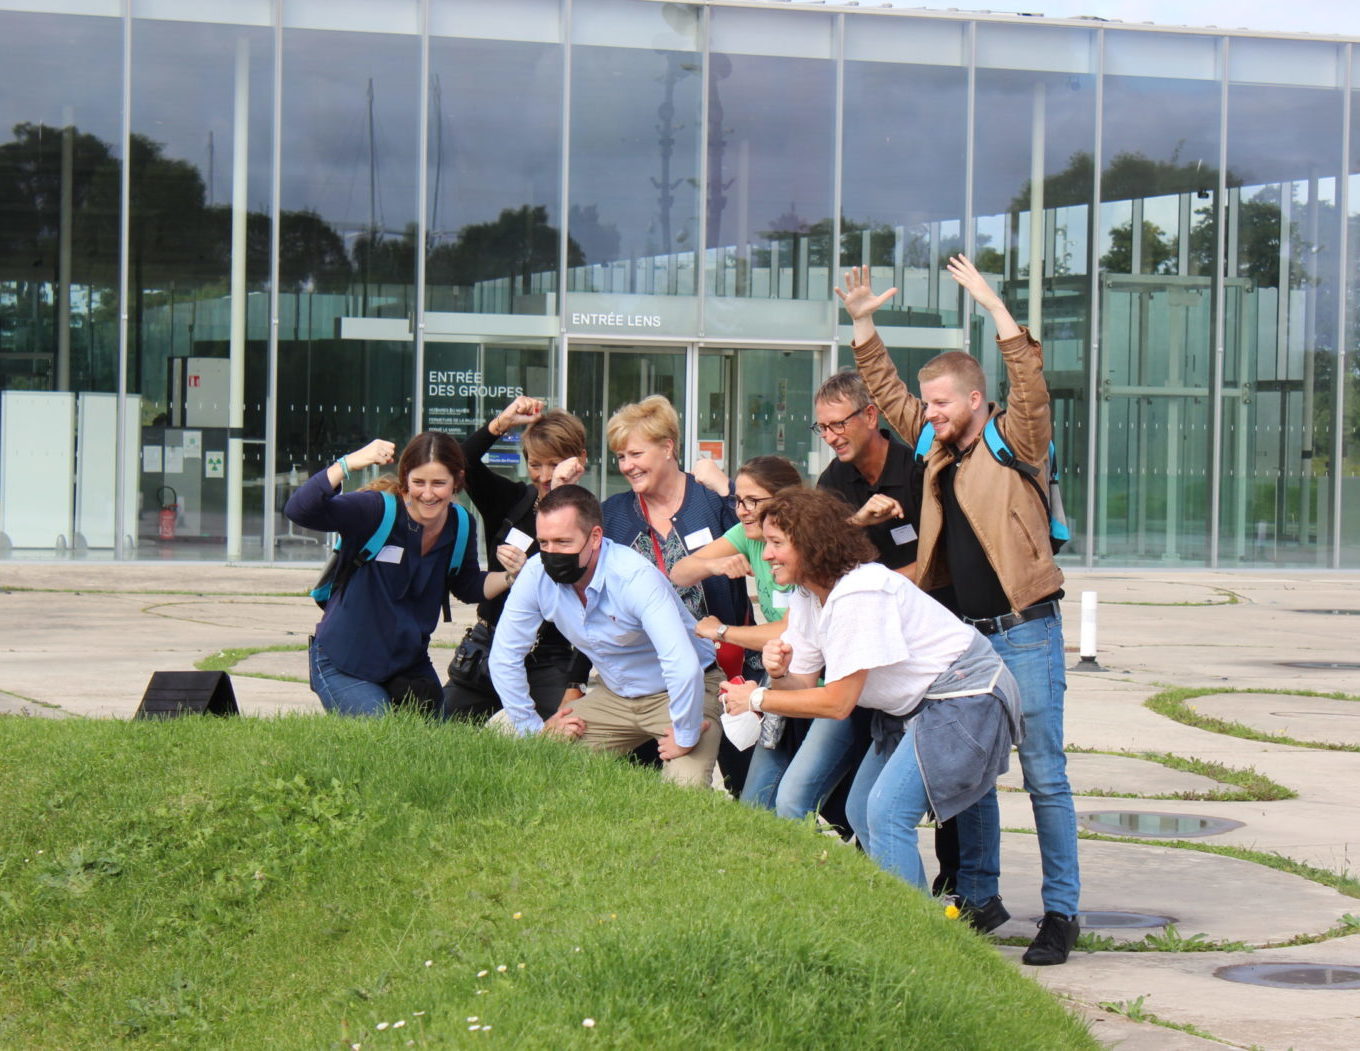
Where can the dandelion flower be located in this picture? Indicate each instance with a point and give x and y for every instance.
(589, 1023)
(518, 915)
(951, 911)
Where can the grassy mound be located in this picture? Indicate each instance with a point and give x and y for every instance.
(319, 882)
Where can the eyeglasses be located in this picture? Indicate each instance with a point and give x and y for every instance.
(750, 503)
(836, 427)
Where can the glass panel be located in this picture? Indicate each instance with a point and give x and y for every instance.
(1349, 392)
(634, 180)
(187, 81)
(1157, 251)
(60, 176)
(771, 141)
(494, 229)
(347, 256)
(602, 379)
(1022, 117)
(757, 402)
(910, 120)
(1280, 372)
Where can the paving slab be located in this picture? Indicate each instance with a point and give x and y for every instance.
(1122, 774)
(1225, 899)
(1323, 720)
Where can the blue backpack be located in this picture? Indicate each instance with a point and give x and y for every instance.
(338, 570)
(1058, 531)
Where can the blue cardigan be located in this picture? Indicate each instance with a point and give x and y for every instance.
(380, 625)
(701, 509)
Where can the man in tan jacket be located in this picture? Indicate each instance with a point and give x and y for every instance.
(984, 532)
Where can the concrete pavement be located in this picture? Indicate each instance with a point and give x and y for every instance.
(81, 639)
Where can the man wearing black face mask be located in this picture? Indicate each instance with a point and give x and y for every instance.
(657, 678)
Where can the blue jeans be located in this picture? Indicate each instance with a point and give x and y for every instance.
(1034, 654)
(344, 694)
(797, 784)
(887, 802)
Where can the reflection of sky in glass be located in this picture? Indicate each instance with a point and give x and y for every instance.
(183, 90)
(771, 142)
(326, 141)
(635, 115)
(904, 143)
(50, 62)
(495, 130)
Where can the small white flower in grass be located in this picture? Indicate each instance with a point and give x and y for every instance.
(473, 1018)
(380, 1026)
(482, 974)
(417, 1013)
(486, 1029)
(473, 1028)
(398, 1024)
(429, 963)
(480, 991)
(521, 966)
(577, 949)
(502, 969)
(589, 1023)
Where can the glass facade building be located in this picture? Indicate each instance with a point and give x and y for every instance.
(241, 237)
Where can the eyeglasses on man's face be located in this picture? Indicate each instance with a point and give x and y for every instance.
(836, 426)
(750, 503)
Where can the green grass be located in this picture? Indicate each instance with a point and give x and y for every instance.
(226, 660)
(1171, 703)
(296, 882)
(1250, 784)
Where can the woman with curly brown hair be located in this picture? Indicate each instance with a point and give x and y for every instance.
(945, 710)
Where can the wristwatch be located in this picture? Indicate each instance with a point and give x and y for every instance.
(756, 699)
(721, 633)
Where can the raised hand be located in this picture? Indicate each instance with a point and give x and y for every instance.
(378, 451)
(568, 472)
(775, 656)
(858, 297)
(878, 508)
(519, 412)
(708, 474)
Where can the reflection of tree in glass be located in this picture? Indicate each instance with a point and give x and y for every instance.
(518, 243)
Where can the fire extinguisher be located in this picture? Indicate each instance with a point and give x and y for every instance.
(169, 509)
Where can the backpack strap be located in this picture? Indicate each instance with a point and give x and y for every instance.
(1002, 454)
(369, 551)
(456, 559)
(924, 441)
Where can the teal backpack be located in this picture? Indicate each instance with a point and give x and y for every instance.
(338, 570)
(1058, 531)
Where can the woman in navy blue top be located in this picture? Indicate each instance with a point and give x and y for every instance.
(378, 627)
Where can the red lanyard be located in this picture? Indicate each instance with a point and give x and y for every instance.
(656, 544)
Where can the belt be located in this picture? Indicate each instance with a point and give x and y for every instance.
(993, 625)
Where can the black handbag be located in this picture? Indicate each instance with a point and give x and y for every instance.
(469, 664)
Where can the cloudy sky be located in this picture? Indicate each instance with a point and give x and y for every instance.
(1332, 17)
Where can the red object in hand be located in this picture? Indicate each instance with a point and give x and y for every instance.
(731, 659)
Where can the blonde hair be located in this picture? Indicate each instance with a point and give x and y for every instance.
(653, 418)
(556, 434)
(964, 369)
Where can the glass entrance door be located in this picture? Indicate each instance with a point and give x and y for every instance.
(603, 378)
(756, 401)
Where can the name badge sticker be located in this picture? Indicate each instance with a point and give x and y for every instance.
(779, 599)
(904, 534)
(698, 538)
(390, 553)
(519, 538)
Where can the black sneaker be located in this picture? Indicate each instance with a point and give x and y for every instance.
(986, 917)
(1056, 939)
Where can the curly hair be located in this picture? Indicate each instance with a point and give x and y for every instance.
(814, 520)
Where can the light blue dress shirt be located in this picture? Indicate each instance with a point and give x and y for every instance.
(632, 625)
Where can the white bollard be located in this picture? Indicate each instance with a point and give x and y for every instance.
(1087, 648)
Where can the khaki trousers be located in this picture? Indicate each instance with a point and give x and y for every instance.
(620, 724)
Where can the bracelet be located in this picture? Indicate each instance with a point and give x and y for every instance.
(756, 699)
(344, 466)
